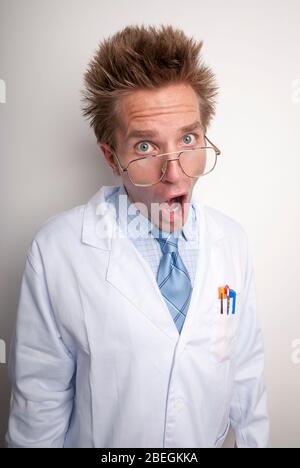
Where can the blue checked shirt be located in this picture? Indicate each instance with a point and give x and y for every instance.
(142, 232)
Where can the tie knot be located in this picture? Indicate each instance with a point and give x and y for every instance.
(168, 245)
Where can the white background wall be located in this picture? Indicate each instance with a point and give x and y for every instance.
(50, 162)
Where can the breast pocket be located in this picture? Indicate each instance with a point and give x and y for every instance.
(224, 328)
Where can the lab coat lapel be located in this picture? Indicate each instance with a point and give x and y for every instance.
(127, 271)
(131, 275)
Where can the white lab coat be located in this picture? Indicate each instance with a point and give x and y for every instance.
(97, 360)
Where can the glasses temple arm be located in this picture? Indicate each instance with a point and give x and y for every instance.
(214, 146)
(123, 169)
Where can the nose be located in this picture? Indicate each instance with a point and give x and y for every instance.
(173, 170)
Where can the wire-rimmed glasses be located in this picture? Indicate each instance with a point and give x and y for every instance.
(150, 170)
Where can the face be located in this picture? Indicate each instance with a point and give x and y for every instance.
(164, 120)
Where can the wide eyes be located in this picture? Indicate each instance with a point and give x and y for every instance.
(145, 146)
(188, 138)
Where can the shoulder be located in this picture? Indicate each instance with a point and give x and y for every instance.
(67, 225)
(55, 237)
(60, 236)
(221, 226)
(229, 225)
(61, 226)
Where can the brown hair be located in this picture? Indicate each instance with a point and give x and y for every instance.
(140, 57)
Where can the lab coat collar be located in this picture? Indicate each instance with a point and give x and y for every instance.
(98, 224)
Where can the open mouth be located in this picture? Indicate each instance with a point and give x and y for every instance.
(174, 203)
(175, 199)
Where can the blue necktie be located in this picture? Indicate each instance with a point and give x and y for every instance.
(173, 280)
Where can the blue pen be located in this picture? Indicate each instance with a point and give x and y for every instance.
(232, 294)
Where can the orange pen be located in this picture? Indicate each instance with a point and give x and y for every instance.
(221, 291)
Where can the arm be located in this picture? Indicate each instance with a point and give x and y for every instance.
(41, 368)
(248, 413)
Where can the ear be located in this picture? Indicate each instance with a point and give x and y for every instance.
(108, 154)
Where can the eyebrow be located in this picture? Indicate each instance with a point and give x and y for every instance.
(153, 133)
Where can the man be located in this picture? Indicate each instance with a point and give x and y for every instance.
(137, 320)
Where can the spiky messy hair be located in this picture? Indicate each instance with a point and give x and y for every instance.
(140, 57)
